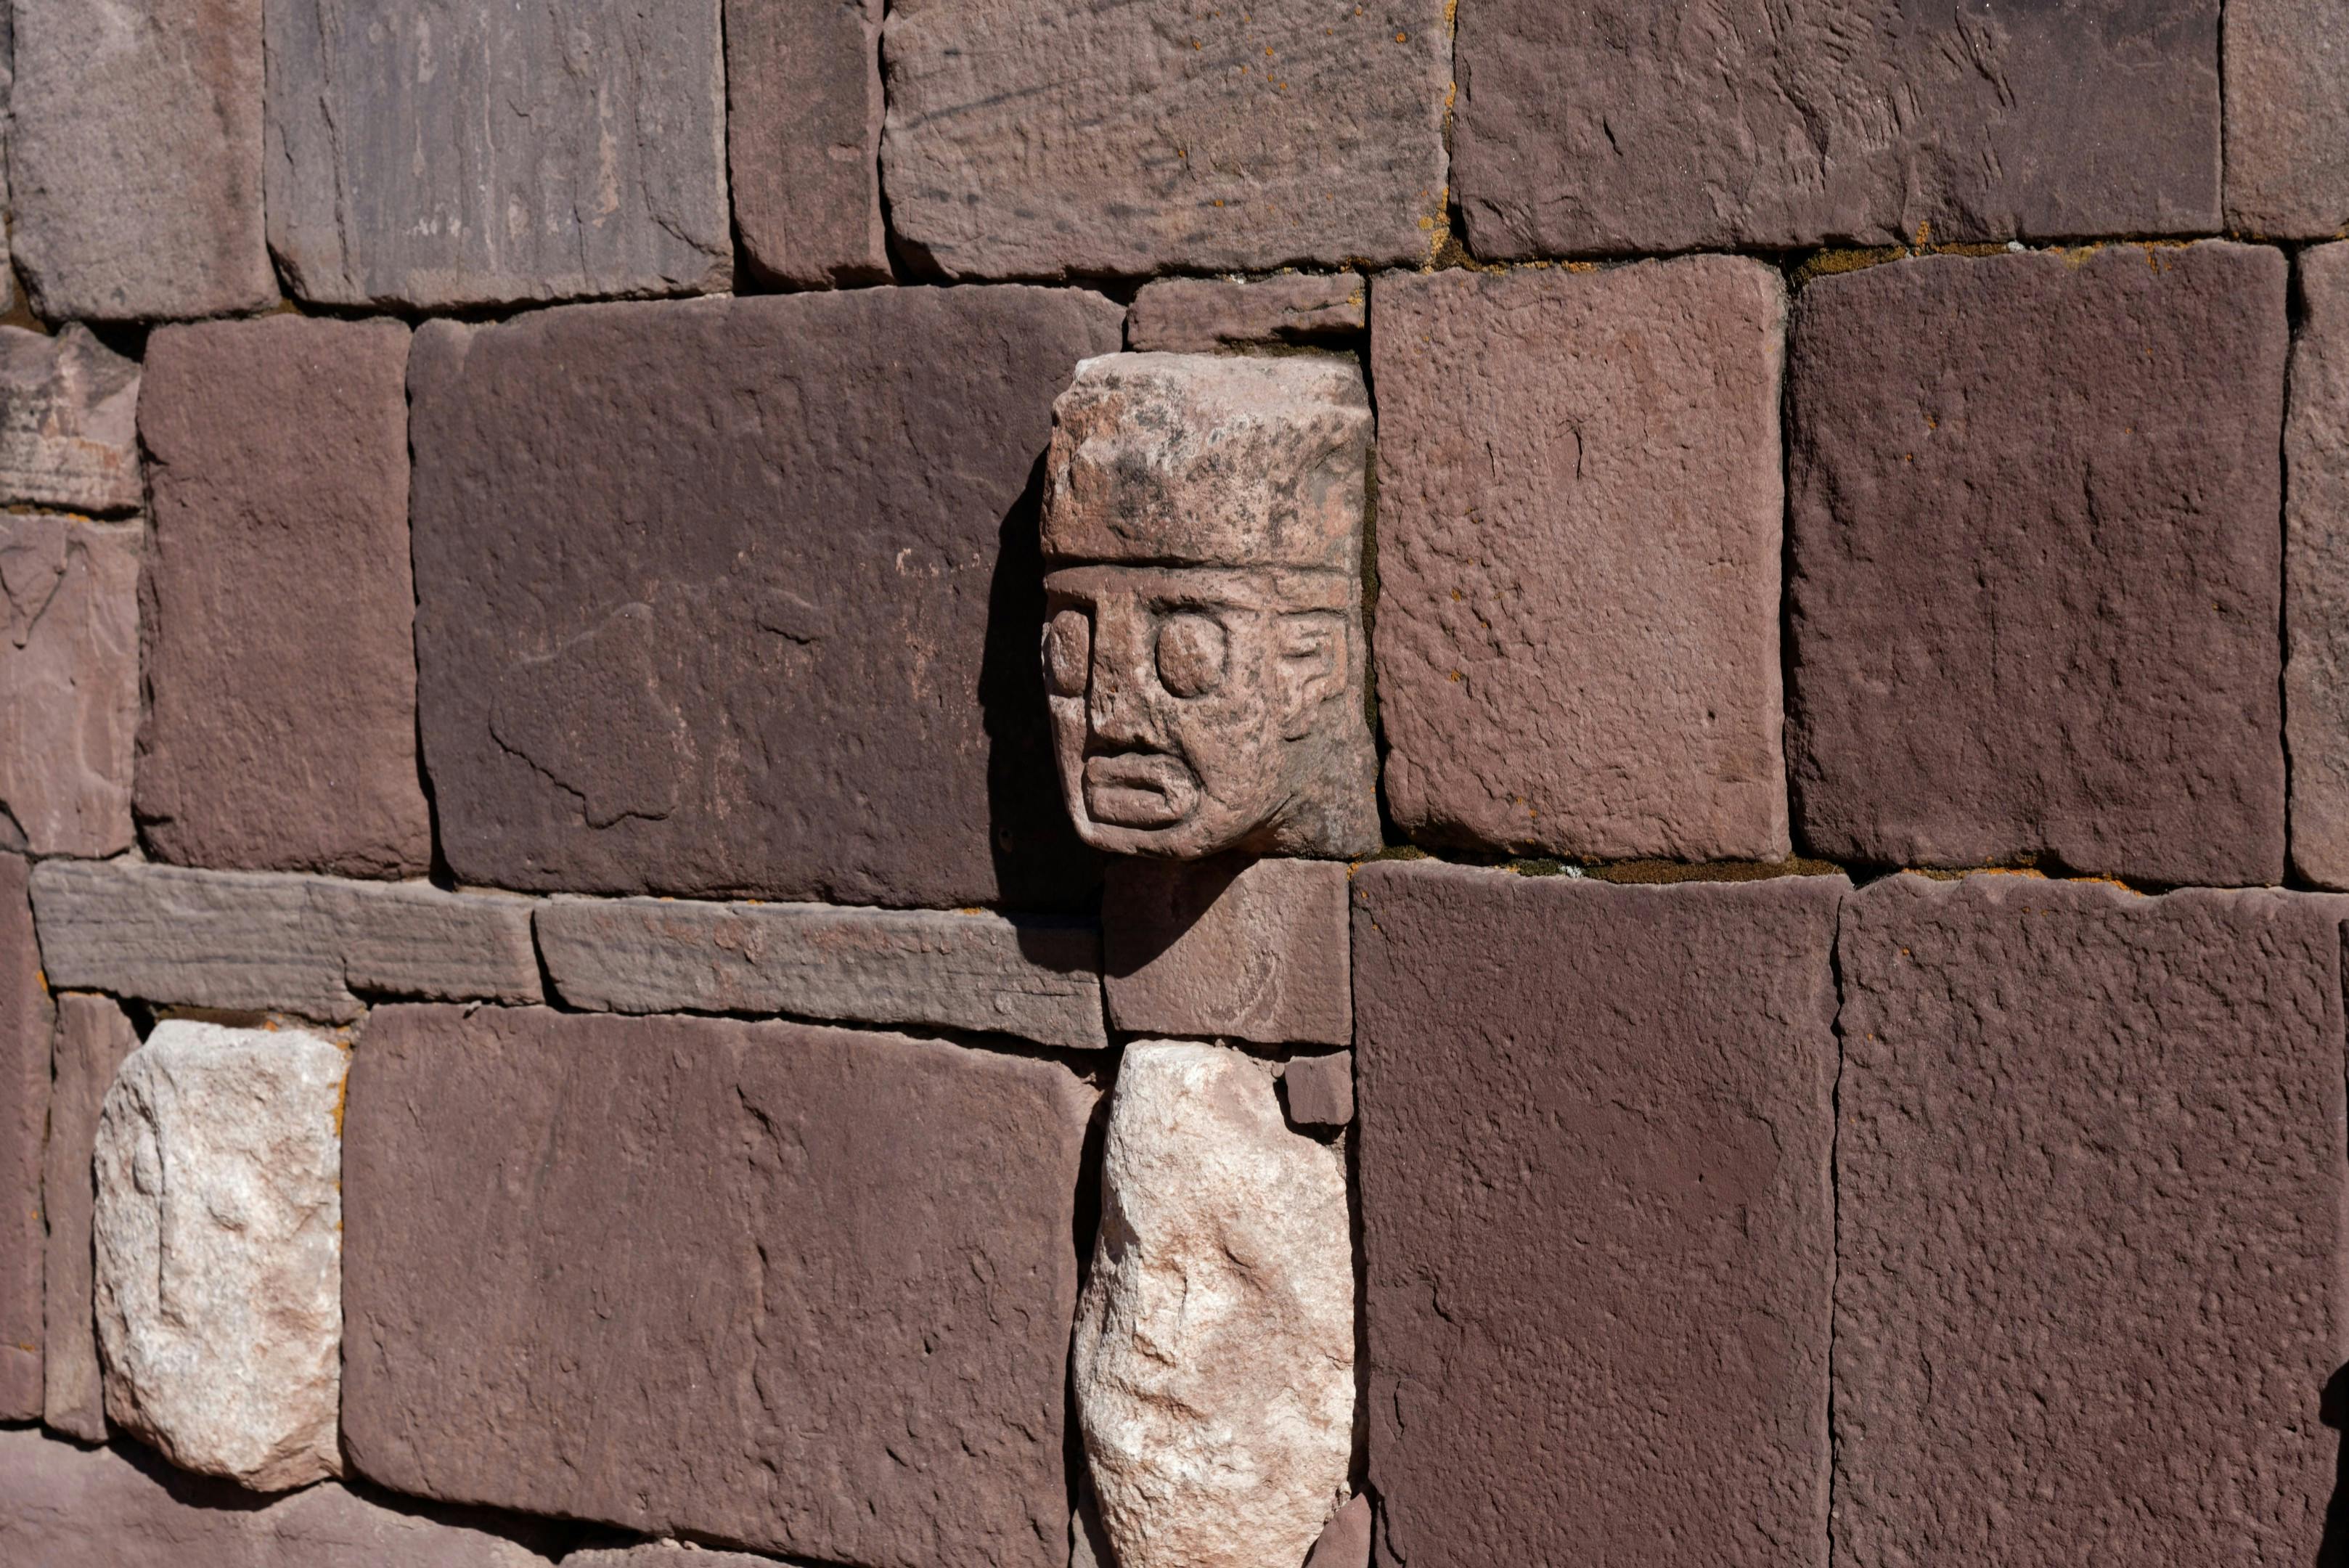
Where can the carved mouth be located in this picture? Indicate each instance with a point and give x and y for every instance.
(1139, 789)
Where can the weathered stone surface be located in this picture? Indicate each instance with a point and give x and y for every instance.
(281, 722)
(1580, 535)
(2316, 571)
(1254, 949)
(68, 681)
(1194, 315)
(1594, 1131)
(24, 1114)
(1088, 1543)
(663, 1555)
(2090, 1183)
(68, 422)
(803, 139)
(2036, 569)
(134, 159)
(1033, 139)
(258, 941)
(599, 171)
(787, 1288)
(2287, 122)
(218, 1239)
(1757, 126)
(1346, 1542)
(91, 1040)
(775, 522)
(1036, 978)
(1319, 1090)
(1214, 1346)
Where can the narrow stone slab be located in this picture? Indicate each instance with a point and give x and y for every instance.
(2316, 571)
(803, 111)
(1194, 315)
(1594, 1139)
(662, 1554)
(1235, 946)
(561, 1226)
(25, 1021)
(68, 422)
(68, 681)
(1036, 978)
(2287, 122)
(92, 1038)
(2089, 1142)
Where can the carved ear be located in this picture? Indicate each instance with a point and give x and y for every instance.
(1308, 666)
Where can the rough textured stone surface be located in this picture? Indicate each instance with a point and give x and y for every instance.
(2316, 571)
(68, 681)
(2035, 572)
(1033, 139)
(1594, 1131)
(1346, 1541)
(431, 153)
(787, 1288)
(134, 159)
(1039, 978)
(1319, 1090)
(281, 722)
(803, 139)
(68, 422)
(1254, 949)
(23, 1112)
(663, 1555)
(2287, 122)
(1762, 126)
(1214, 1346)
(793, 650)
(218, 1239)
(1194, 315)
(2090, 1179)
(260, 941)
(1580, 533)
(93, 1036)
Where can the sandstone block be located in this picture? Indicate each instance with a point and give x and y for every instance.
(1580, 539)
(68, 422)
(2090, 1142)
(662, 1554)
(1346, 1542)
(2287, 125)
(1194, 315)
(1319, 1090)
(2316, 571)
(2072, 657)
(803, 139)
(751, 574)
(787, 1288)
(24, 1018)
(1039, 978)
(1215, 1346)
(68, 681)
(92, 1039)
(1594, 1132)
(218, 1238)
(1754, 126)
(1253, 949)
(1031, 140)
(601, 171)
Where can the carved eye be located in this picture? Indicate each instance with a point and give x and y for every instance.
(1190, 655)
(1068, 652)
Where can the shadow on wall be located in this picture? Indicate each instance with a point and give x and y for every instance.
(2333, 1409)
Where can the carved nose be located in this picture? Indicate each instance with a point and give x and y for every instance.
(1119, 706)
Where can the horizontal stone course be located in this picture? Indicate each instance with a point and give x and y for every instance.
(68, 681)
(1194, 315)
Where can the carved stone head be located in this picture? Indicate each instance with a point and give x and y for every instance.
(1203, 646)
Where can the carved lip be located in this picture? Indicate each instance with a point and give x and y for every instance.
(1139, 789)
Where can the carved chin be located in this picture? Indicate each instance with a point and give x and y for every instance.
(1139, 789)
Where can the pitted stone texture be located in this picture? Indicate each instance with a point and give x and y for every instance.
(1252, 949)
(24, 1018)
(1036, 140)
(68, 681)
(2287, 122)
(1319, 1090)
(1751, 126)
(2090, 1143)
(280, 610)
(434, 154)
(2075, 656)
(1346, 1541)
(775, 522)
(663, 1555)
(2316, 571)
(1036, 978)
(134, 159)
(1579, 536)
(218, 1234)
(1593, 1133)
(68, 422)
(1215, 1346)
(803, 139)
(92, 1038)
(560, 1225)
(1194, 315)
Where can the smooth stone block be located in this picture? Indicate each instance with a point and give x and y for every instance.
(1195, 314)
(93, 1037)
(2316, 571)
(68, 681)
(1233, 946)
(68, 422)
(1319, 1090)
(24, 1024)
(803, 111)
(2287, 122)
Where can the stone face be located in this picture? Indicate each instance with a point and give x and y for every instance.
(1580, 535)
(68, 422)
(1254, 949)
(93, 1036)
(2071, 657)
(2090, 1142)
(600, 172)
(787, 1288)
(1214, 1346)
(218, 1238)
(1032, 139)
(2287, 125)
(2316, 571)
(134, 159)
(281, 723)
(1594, 1132)
(1346, 1542)
(1319, 1090)
(1039, 978)
(1749, 126)
(1194, 315)
(803, 139)
(24, 1113)
(68, 680)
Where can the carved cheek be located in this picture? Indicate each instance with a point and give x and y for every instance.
(1068, 653)
(1191, 655)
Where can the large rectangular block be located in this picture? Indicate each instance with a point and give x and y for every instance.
(2035, 570)
(68, 680)
(2090, 1176)
(1579, 533)
(1595, 1126)
(803, 111)
(744, 597)
(24, 1018)
(797, 1289)
(92, 1038)
(2287, 121)
(2316, 571)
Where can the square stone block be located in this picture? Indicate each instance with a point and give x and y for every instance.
(1233, 946)
(93, 1036)
(2316, 571)
(25, 1019)
(803, 139)
(68, 422)
(68, 680)
(2035, 572)
(2287, 119)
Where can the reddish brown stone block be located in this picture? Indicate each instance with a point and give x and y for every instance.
(92, 1038)
(1253, 949)
(1594, 1132)
(1195, 314)
(2287, 121)
(803, 111)
(68, 681)
(2316, 571)
(24, 1018)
